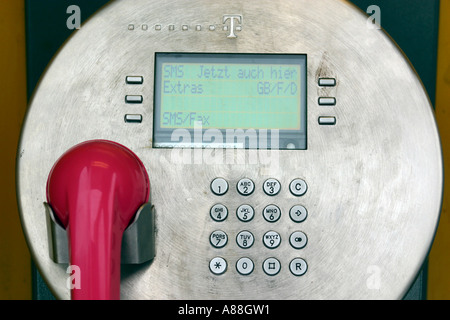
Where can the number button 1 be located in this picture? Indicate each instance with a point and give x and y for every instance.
(219, 186)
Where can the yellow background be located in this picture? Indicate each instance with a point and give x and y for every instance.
(15, 274)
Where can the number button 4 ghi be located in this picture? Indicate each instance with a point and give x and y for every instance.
(218, 212)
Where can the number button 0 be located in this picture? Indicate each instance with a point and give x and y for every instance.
(219, 186)
(272, 187)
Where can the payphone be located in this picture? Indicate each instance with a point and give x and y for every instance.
(291, 150)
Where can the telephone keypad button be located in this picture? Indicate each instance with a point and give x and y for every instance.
(218, 212)
(218, 265)
(245, 266)
(271, 266)
(219, 186)
(272, 239)
(245, 213)
(245, 187)
(272, 213)
(218, 239)
(245, 239)
(298, 267)
(271, 187)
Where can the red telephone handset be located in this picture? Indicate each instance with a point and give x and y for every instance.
(95, 189)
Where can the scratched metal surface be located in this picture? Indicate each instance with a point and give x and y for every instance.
(374, 179)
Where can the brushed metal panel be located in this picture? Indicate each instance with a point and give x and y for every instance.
(374, 178)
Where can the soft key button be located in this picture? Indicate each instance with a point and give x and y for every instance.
(134, 99)
(135, 80)
(327, 101)
(298, 213)
(327, 82)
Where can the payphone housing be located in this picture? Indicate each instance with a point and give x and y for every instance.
(345, 208)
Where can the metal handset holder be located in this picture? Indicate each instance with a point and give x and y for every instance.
(138, 242)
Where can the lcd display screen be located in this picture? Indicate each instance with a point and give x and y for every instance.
(226, 100)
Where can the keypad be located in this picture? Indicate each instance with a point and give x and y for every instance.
(245, 238)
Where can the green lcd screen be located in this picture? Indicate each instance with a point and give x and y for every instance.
(242, 96)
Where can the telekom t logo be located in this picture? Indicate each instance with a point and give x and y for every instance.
(233, 28)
